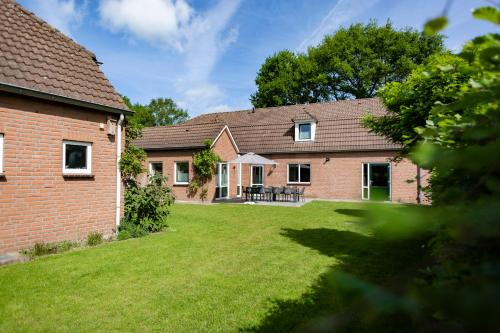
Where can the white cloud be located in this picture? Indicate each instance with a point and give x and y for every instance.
(200, 39)
(342, 12)
(162, 21)
(64, 15)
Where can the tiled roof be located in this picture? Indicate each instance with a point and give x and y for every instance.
(283, 114)
(271, 130)
(179, 136)
(35, 56)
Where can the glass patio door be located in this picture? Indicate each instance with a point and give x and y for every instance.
(257, 175)
(376, 181)
(223, 180)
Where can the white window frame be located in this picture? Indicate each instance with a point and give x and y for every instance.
(150, 167)
(238, 180)
(368, 185)
(1, 153)
(251, 174)
(175, 173)
(219, 180)
(300, 180)
(313, 130)
(88, 170)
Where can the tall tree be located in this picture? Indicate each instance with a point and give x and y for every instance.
(354, 62)
(288, 78)
(158, 112)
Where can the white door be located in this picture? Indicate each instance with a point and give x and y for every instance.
(365, 181)
(376, 181)
(223, 180)
(257, 175)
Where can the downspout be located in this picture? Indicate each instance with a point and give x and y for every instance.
(118, 173)
(419, 186)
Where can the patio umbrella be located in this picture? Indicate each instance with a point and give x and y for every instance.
(252, 158)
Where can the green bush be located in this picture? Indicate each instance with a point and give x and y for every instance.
(146, 208)
(94, 238)
(130, 230)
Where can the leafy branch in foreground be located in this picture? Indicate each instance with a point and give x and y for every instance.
(456, 102)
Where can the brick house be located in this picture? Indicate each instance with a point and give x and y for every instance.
(321, 147)
(60, 136)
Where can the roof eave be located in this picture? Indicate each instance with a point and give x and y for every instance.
(320, 151)
(14, 89)
(174, 147)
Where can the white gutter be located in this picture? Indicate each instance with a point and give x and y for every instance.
(118, 173)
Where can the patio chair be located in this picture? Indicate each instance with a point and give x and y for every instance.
(277, 192)
(300, 194)
(269, 193)
(295, 194)
(287, 192)
(254, 192)
(262, 192)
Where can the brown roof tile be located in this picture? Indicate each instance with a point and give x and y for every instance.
(179, 136)
(36, 56)
(271, 130)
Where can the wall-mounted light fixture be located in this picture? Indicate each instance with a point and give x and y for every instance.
(327, 159)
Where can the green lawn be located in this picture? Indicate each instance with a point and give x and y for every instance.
(218, 268)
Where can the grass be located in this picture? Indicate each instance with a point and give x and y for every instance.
(218, 268)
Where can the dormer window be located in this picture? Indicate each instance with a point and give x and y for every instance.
(305, 130)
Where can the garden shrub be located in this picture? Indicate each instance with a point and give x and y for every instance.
(146, 208)
(130, 230)
(94, 238)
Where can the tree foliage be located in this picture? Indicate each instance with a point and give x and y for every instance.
(288, 78)
(354, 62)
(158, 112)
(460, 142)
(403, 100)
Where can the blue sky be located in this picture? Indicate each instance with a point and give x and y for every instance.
(205, 54)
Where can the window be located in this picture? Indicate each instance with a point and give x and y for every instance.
(77, 157)
(305, 131)
(155, 168)
(299, 173)
(1, 153)
(181, 172)
(257, 175)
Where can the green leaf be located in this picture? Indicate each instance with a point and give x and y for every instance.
(435, 25)
(488, 14)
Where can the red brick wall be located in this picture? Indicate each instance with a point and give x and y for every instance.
(223, 147)
(340, 177)
(36, 202)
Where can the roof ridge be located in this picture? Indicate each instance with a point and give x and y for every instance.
(53, 29)
(185, 125)
(253, 125)
(284, 106)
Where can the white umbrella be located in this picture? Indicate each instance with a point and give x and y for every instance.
(252, 158)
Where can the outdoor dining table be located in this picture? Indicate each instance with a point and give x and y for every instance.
(268, 192)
